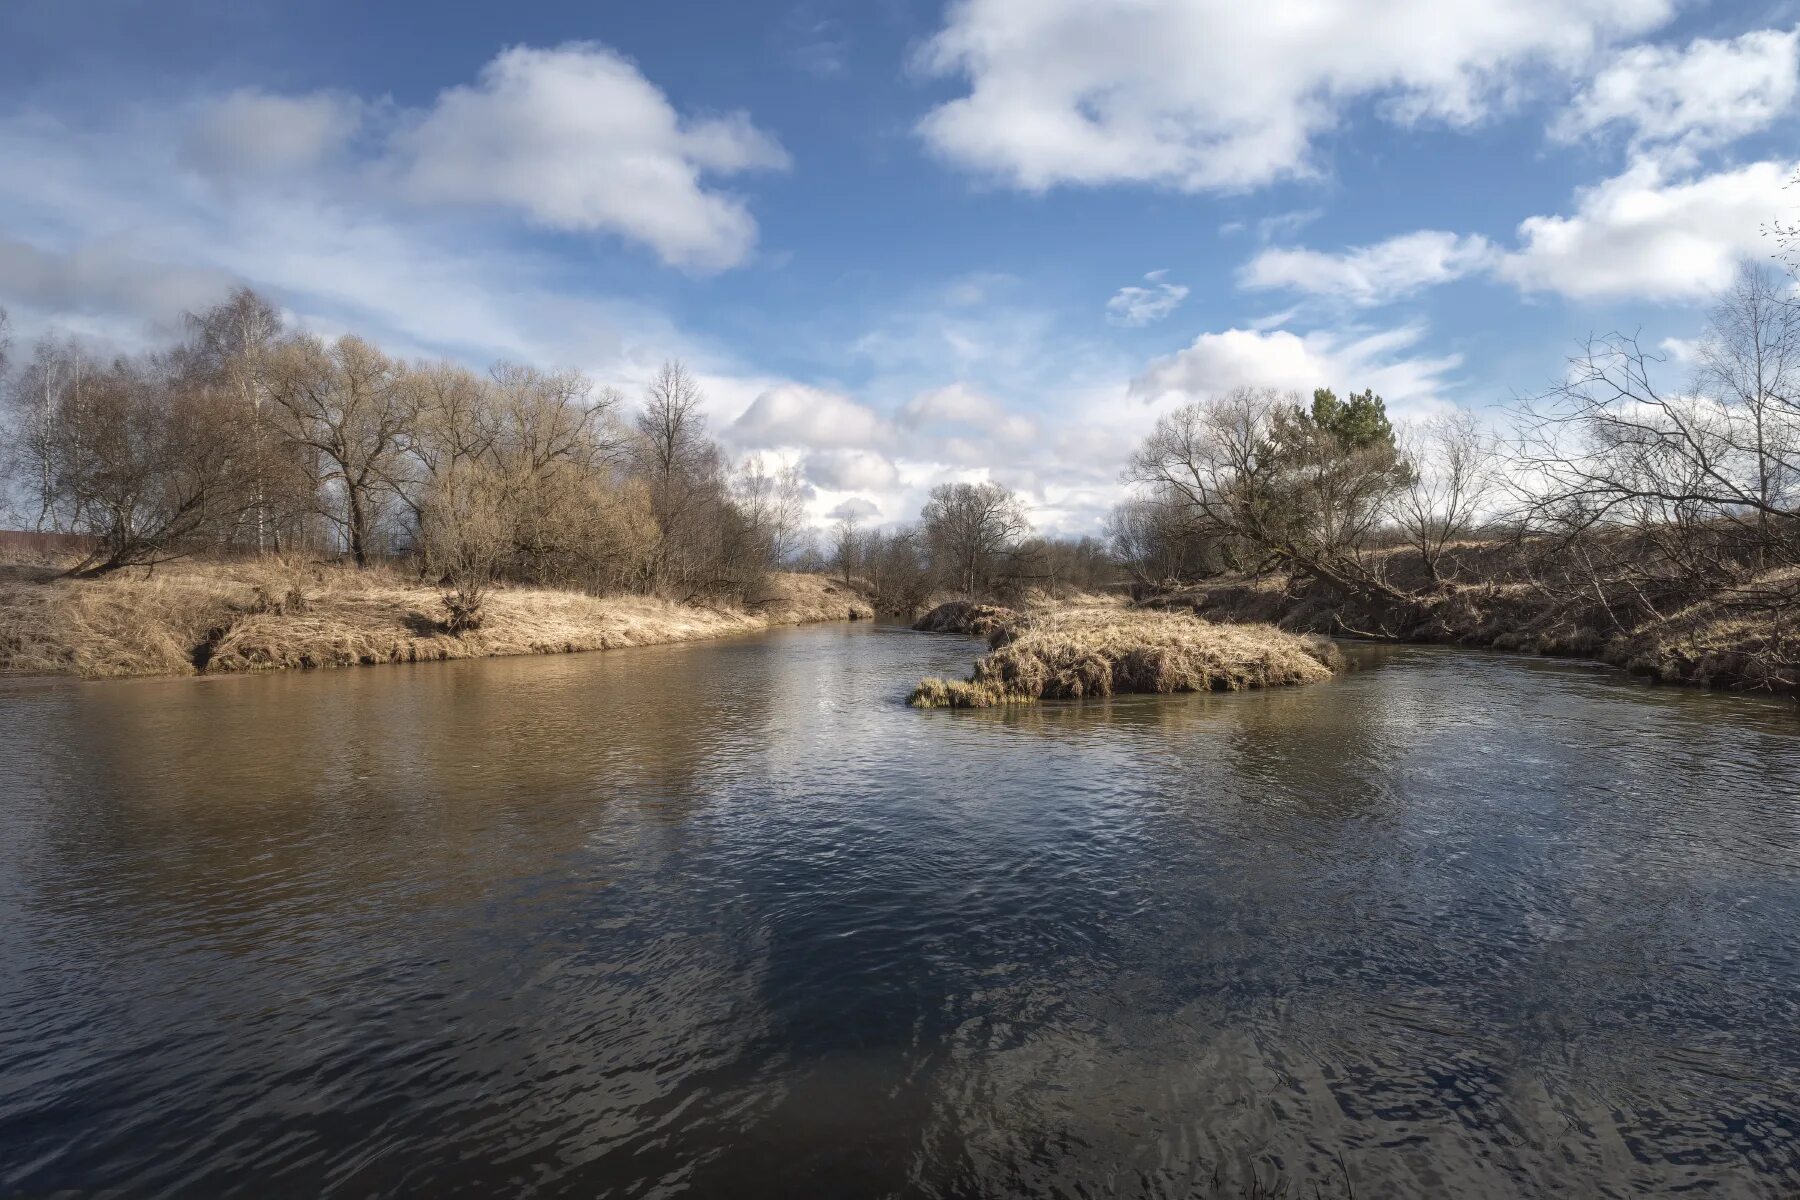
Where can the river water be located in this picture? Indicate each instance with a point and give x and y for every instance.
(730, 919)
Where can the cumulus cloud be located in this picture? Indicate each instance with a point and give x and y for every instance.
(1217, 362)
(105, 278)
(1649, 233)
(796, 415)
(1375, 274)
(117, 244)
(958, 404)
(1644, 234)
(1139, 306)
(442, 282)
(571, 138)
(850, 470)
(577, 139)
(254, 133)
(1707, 93)
(854, 509)
(1216, 94)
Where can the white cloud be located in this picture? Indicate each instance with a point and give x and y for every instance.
(577, 139)
(117, 242)
(110, 235)
(1707, 93)
(1642, 234)
(797, 415)
(1217, 94)
(254, 133)
(850, 470)
(1680, 350)
(854, 509)
(1286, 224)
(1139, 306)
(1374, 274)
(958, 404)
(103, 278)
(1217, 362)
(1648, 233)
(816, 43)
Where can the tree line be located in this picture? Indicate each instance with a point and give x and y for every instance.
(247, 436)
(1640, 483)
(972, 540)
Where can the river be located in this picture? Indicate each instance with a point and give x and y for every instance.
(729, 919)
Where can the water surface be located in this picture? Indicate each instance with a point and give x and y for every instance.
(728, 918)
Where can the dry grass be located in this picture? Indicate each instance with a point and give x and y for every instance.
(1102, 649)
(1723, 640)
(963, 616)
(259, 615)
(1720, 643)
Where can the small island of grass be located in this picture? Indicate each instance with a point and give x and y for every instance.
(1105, 649)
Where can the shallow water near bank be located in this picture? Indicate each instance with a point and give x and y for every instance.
(728, 918)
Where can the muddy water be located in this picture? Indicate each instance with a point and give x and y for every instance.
(729, 919)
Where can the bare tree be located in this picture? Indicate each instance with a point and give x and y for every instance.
(1749, 364)
(468, 532)
(682, 470)
(1454, 478)
(846, 545)
(46, 407)
(345, 405)
(672, 426)
(972, 526)
(545, 418)
(897, 568)
(1256, 470)
(1163, 542)
(449, 422)
(234, 342)
(554, 441)
(148, 462)
(774, 504)
(1705, 478)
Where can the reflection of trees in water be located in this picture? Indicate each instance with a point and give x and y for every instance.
(314, 877)
(1203, 1099)
(1449, 915)
(1315, 747)
(420, 786)
(728, 905)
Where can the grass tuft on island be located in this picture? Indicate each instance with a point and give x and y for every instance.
(1103, 650)
(965, 616)
(207, 617)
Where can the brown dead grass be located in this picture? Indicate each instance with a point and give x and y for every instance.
(1726, 640)
(1102, 649)
(963, 616)
(265, 614)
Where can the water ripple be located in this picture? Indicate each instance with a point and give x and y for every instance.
(730, 919)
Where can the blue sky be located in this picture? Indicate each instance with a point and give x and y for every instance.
(909, 242)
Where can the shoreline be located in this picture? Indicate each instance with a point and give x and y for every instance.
(1707, 644)
(199, 619)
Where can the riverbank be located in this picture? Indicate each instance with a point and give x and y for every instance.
(265, 614)
(1102, 649)
(1503, 598)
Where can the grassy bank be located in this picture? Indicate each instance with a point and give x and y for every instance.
(1505, 598)
(262, 614)
(963, 616)
(1100, 649)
